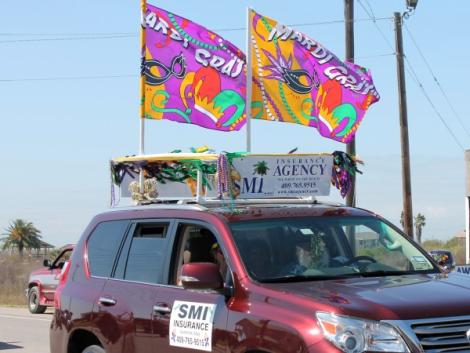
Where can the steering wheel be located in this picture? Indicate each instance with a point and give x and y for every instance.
(356, 259)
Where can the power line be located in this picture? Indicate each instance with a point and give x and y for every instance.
(68, 78)
(25, 34)
(437, 82)
(93, 36)
(122, 76)
(84, 36)
(370, 14)
(415, 79)
(386, 40)
(431, 103)
(68, 38)
(374, 56)
(370, 8)
(374, 19)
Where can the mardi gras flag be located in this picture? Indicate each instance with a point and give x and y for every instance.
(192, 75)
(297, 80)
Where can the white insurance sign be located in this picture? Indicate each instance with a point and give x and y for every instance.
(191, 325)
(283, 176)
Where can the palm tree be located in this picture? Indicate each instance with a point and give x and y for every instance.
(420, 222)
(21, 234)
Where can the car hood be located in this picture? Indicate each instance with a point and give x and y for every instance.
(46, 277)
(41, 271)
(390, 297)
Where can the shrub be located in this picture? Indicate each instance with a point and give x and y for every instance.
(14, 273)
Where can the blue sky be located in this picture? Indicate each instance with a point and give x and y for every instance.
(57, 135)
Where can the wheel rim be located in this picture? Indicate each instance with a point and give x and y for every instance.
(33, 301)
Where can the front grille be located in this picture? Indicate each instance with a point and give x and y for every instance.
(443, 335)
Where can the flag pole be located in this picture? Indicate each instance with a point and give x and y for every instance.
(143, 6)
(249, 80)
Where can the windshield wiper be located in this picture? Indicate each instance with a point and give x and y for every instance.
(381, 273)
(303, 278)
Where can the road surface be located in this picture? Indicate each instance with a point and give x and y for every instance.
(22, 332)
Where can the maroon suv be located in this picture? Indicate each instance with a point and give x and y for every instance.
(256, 278)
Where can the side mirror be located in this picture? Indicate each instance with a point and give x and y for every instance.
(201, 275)
(47, 263)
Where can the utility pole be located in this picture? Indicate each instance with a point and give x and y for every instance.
(467, 207)
(405, 148)
(349, 35)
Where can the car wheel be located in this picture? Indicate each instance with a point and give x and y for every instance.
(93, 349)
(33, 302)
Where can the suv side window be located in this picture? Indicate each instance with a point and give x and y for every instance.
(146, 253)
(103, 245)
(195, 243)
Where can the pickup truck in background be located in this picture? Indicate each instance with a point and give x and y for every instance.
(444, 258)
(42, 282)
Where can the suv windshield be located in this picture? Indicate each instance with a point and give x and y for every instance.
(309, 248)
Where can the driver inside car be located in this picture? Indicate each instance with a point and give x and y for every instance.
(309, 254)
(219, 259)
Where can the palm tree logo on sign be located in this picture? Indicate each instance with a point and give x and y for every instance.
(261, 168)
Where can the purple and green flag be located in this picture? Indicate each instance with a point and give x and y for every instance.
(192, 75)
(297, 80)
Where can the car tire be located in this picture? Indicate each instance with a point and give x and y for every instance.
(94, 349)
(33, 302)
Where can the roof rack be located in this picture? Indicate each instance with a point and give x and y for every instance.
(209, 202)
(191, 207)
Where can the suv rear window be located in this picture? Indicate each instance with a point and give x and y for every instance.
(146, 253)
(103, 245)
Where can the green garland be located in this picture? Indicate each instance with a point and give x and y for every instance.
(231, 155)
(163, 171)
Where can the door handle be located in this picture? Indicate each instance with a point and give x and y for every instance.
(107, 301)
(161, 309)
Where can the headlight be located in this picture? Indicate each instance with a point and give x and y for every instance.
(356, 335)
